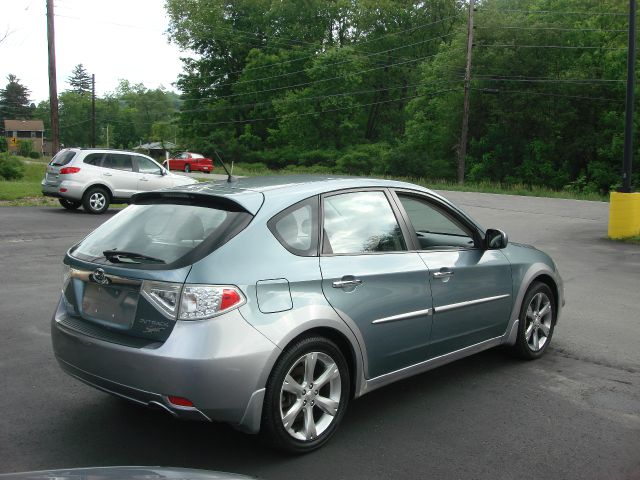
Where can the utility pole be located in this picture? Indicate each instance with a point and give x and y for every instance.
(462, 148)
(53, 85)
(107, 135)
(93, 110)
(628, 126)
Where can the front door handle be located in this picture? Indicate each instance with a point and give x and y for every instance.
(106, 174)
(347, 283)
(443, 273)
(144, 179)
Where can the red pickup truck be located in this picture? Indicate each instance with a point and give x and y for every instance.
(188, 162)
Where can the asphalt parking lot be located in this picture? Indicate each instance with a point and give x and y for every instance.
(574, 414)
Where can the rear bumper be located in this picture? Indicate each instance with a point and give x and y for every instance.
(221, 365)
(71, 190)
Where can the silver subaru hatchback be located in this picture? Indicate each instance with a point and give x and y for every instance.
(94, 178)
(269, 303)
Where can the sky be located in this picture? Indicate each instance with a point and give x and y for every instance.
(113, 39)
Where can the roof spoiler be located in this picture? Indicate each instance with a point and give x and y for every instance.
(188, 198)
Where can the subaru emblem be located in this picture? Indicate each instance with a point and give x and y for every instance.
(100, 277)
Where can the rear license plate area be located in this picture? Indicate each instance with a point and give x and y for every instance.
(110, 305)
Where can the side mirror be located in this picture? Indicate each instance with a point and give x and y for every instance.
(164, 172)
(495, 239)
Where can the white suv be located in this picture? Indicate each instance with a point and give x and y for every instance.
(95, 178)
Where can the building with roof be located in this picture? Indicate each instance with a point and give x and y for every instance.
(16, 130)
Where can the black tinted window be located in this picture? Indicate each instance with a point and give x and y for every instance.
(296, 228)
(360, 222)
(93, 159)
(63, 157)
(118, 161)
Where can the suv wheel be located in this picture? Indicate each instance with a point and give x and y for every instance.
(306, 397)
(69, 204)
(95, 200)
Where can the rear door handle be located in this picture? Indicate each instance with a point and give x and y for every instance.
(347, 283)
(443, 273)
(107, 174)
(144, 179)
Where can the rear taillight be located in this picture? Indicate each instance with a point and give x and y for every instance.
(68, 170)
(192, 301)
(180, 401)
(205, 301)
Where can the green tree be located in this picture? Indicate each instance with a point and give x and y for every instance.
(14, 101)
(80, 81)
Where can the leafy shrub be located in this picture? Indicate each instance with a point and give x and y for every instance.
(25, 147)
(11, 168)
(3, 144)
(34, 154)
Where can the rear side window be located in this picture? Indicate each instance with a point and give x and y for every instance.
(296, 228)
(94, 159)
(63, 157)
(170, 235)
(118, 161)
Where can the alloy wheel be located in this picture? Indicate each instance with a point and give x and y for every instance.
(310, 396)
(97, 200)
(538, 321)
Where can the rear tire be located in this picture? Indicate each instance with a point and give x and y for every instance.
(537, 322)
(297, 416)
(69, 204)
(187, 168)
(96, 200)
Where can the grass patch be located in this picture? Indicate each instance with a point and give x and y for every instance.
(28, 186)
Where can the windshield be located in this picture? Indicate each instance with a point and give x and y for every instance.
(160, 234)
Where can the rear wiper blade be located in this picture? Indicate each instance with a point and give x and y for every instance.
(118, 256)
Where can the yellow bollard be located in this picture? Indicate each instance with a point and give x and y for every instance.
(624, 215)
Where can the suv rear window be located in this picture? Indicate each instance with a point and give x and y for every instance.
(63, 157)
(163, 235)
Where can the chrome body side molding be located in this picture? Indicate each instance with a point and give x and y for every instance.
(404, 316)
(453, 306)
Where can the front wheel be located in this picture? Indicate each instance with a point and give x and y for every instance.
(537, 321)
(69, 204)
(95, 200)
(306, 397)
(187, 168)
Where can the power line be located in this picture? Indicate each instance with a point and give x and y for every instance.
(313, 82)
(531, 92)
(501, 78)
(555, 12)
(318, 97)
(571, 47)
(560, 29)
(325, 111)
(353, 45)
(333, 64)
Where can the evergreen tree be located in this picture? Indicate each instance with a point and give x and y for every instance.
(14, 101)
(80, 80)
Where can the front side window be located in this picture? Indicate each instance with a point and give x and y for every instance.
(296, 228)
(360, 222)
(147, 166)
(118, 161)
(433, 227)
